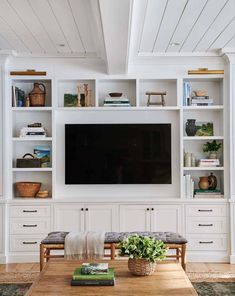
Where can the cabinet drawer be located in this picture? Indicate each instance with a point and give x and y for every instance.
(207, 242)
(206, 225)
(26, 243)
(30, 225)
(30, 211)
(206, 211)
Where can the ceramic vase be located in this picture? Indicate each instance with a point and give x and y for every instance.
(190, 127)
(203, 183)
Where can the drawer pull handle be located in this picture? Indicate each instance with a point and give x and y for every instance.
(28, 211)
(205, 210)
(29, 243)
(210, 242)
(30, 225)
(205, 224)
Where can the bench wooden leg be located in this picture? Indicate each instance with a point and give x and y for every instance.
(112, 249)
(177, 254)
(41, 256)
(183, 256)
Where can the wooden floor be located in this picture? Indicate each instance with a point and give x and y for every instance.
(193, 267)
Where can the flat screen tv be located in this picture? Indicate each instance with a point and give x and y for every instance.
(118, 154)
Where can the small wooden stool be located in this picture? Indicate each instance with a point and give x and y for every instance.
(162, 102)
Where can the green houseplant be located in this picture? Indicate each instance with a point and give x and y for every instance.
(143, 252)
(212, 148)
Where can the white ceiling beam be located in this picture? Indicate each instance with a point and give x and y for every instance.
(116, 23)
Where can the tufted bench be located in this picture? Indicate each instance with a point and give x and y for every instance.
(55, 241)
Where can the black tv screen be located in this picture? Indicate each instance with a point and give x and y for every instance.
(117, 154)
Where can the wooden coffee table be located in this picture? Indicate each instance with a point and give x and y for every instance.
(169, 279)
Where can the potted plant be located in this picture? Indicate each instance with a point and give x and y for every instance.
(212, 148)
(143, 252)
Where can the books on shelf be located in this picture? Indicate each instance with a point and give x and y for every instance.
(117, 102)
(106, 278)
(186, 93)
(188, 188)
(209, 162)
(18, 97)
(210, 193)
(30, 132)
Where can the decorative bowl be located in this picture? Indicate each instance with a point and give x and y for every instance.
(27, 189)
(115, 94)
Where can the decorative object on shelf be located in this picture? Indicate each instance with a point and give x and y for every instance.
(207, 162)
(199, 93)
(43, 153)
(27, 189)
(28, 72)
(143, 252)
(43, 194)
(193, 160)
(212, 148)
(201, 99)
(187, 159)
(79, 96)
(188, 186)
(89, 98)
(85, 86)
(190, 127)
(70, 100)
(162, 100)
(186, 94)
(205, 71)
(27, 102)
(212, 181)
(205, 129)
(37, 96)
(203, 183)
(28, 161)
(115, 94)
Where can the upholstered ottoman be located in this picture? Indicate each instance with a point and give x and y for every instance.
(55, 241)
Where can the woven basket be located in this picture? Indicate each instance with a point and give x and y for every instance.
(141, 266)
(27, 189)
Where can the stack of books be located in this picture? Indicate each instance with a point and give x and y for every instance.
(93, 274)
(188, 186)
(33, 131)
(18, 97)
(116, 102)
(210, 193)
(186, 93)
(201, 101)
(209, 162)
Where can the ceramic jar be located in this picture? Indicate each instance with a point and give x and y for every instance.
(190, 127)
(212, 181)
(203, 183)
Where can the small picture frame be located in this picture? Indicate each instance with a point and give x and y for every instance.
(204, 129)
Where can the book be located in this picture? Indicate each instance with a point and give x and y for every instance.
(77, 275)
(207, 191)
(93, 282)
(208, 196)
(94, 268)
(117, 105)
(44, 154)
(200, 98)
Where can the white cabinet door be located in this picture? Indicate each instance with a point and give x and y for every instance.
(134, 218)
(101, 217)
(69, 217)
(166, 218)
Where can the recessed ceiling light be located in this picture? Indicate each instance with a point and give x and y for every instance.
(174, 44)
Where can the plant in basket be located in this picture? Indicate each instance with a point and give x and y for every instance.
(143, 252)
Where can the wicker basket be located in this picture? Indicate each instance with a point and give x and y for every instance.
(141, 266)
(27, 189)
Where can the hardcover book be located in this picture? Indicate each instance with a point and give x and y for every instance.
(77, 275)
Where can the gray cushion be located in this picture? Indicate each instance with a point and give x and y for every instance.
(58, 237)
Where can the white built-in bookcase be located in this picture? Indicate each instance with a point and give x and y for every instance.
(54, 115)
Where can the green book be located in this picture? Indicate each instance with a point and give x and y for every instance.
(78, 276)
(206, 191)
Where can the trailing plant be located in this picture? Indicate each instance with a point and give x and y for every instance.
(211, 146)
(143, 247)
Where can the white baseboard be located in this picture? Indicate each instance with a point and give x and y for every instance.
(22, 258)
(208, 258)
(3, 259)
(232, 259)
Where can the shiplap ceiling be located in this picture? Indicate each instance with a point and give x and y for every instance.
(115, 30)
(185, 26)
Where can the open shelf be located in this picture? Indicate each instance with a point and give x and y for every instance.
(21, 139)
(187, 138)
(30, 109)
(203, 168)
(32, 169)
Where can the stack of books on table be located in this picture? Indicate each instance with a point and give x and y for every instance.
(116, 102)
(93, 274)
(209, 162)
(210, 193)
(201, 101)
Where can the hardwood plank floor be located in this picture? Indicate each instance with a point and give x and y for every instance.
(193, 267)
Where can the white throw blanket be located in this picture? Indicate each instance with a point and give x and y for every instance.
(84, 245)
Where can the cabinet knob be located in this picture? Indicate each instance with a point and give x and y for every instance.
(86, 209)
(82, 209)
(147, 209)
(152, 209)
